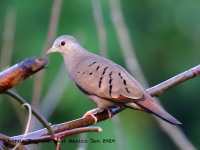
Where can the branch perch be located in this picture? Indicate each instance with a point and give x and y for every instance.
(67, 127)
(19, 72)
(83, 122)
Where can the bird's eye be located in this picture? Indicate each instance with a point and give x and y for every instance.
(62, 43)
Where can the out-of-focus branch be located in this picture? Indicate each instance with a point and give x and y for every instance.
(158, 89)
(19, 72)
(8, 38)
(53, 25)
(133, 66)
(98, 17)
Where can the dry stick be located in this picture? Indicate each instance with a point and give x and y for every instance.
(5, 145)
(58, 145)
(27, 125)
(102, 36)
(36, 114)
(19, 72)
(132, 64)
(159, 89)
(47, 138)
(83, 122)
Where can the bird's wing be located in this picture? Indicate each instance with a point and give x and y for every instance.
(103, 78)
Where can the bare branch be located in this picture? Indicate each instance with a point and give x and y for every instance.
(84, 122)
(6, 144)
(27, 125)
(19, 72)
(160, 88)
(34, 111)
(47, 138)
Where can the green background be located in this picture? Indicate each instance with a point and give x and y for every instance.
(165, 35)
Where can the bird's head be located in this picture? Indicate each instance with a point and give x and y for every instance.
(62, 44)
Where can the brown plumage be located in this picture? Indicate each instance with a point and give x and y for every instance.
(103, 81)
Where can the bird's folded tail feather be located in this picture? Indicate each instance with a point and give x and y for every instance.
(151, 106)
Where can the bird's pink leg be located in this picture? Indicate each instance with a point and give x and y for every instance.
(93, 111)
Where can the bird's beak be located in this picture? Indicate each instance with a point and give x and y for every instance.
(51, 50)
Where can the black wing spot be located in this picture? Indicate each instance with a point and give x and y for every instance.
(104, 71)
(92, 64)
(90, 73)
(97, 68)
(100, 81)
(120, 75)
(101, 78)
(110, 81)
(83, 73)
(127, 90)
(110, 74)
(110, 89)
(124, 82)
(78, 72)
(102, 75)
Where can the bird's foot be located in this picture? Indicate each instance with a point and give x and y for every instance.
(93, 111)
(109, 113)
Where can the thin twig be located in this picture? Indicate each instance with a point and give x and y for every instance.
(36, 114)
(6, 144)
(27, 125)
(158, 89)
(46, 138)
(133, 66)
(58, 145)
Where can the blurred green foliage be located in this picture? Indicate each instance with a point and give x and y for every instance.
(165, 35)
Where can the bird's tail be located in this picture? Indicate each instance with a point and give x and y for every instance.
(151, 106)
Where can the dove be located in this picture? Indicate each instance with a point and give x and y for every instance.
(104, 82)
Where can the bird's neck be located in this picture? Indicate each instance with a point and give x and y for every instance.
(74, 56)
